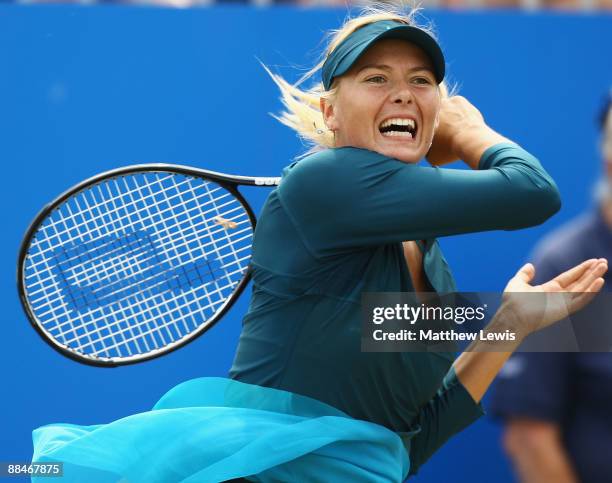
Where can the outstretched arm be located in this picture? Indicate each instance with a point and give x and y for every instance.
(569, 292)
(456, 404)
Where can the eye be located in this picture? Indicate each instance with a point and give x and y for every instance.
(422, 80)
(376, 79)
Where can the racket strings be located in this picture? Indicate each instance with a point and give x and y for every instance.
(66, 233)
(94, 265)
(168, 241)
(162, 334)
(167, 324)
(98, 268)
(137, 263)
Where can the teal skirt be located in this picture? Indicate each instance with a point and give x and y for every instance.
(215, 429)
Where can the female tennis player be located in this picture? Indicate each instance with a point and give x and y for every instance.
(357, 214)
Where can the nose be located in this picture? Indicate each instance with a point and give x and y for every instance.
(402, 96)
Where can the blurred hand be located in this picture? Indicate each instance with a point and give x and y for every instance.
(457, 118)
(539, 306)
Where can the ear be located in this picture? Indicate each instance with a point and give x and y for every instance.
(329, 117)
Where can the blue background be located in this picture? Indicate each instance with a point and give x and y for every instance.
(86, 89)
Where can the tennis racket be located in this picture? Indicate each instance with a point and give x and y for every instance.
(136, 262)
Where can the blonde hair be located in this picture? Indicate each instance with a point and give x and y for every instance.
(302, 106)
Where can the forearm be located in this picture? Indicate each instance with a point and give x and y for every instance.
(450, 411)
(477, 367)
(524, 310)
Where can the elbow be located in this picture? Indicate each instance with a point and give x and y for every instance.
(549, 202)
(539, 205)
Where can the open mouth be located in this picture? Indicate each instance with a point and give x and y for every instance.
(398, 127)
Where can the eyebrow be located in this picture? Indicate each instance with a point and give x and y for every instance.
(388, 68)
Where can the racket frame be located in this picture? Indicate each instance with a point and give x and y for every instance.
(226, 181)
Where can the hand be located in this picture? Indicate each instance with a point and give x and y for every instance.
(526, 308)
(537, 307)
(461, 134)
(456, 114)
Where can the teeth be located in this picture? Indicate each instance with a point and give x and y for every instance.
(403, 134)
(399, 122)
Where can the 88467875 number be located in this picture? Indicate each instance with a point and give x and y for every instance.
(8, 469)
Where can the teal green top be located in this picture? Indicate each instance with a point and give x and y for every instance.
(333, 230)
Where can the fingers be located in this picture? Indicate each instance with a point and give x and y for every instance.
(583, 298)
(597, 285)
(599, 272)
(574, 274)
(526, 273)
(584, 283)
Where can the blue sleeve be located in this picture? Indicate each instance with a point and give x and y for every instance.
(533, 385)
(347, 198)
(450, 411)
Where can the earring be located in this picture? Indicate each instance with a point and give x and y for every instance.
(320, 131)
